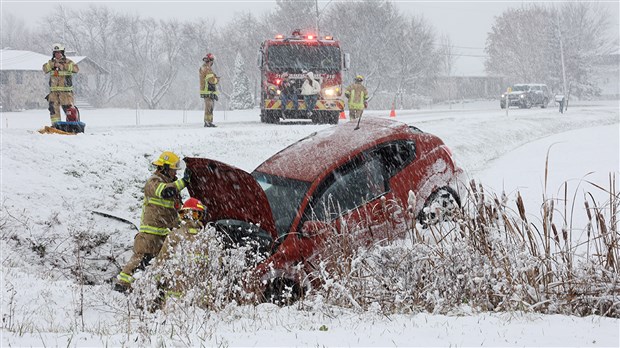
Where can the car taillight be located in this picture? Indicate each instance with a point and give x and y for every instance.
(278, 81)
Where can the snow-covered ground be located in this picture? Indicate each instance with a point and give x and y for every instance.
(50, 183)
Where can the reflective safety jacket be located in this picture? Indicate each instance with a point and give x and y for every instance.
(183, 259)
(159, 210)
(208, 81)
(61, 71)
(357, 95)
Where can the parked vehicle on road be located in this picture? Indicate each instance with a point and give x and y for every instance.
(526, 95)
(294, 56)
(344, 179)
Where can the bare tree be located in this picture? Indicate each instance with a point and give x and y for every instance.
(516, 44)
(152, 57)
(580, 36)
(524, 44)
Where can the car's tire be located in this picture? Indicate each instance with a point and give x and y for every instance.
(440, 206)
(282, 291)
(544, 103)
(270, 116)
(503, 106)
(333, 117)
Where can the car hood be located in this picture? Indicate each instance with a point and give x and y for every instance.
(229, 193)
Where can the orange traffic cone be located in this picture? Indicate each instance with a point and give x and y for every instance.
(392, 112)
(342, 115)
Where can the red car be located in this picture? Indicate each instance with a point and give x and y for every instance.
(348, 177)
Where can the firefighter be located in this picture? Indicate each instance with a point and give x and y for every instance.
(162, 199)
(357, 96)
(288, 92)
(310, 90)
(183, 247)
(61, 70)
(208, 88)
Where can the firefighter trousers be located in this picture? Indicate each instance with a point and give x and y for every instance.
(56, 100)
(354, 114)
(209, 103)
(146, 246)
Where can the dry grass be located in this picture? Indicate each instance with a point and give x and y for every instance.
(491, 258)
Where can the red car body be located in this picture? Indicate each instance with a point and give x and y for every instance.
(344, 178)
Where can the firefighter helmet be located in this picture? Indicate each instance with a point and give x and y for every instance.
(193, 204)
(58, 48)
(359, 78)
(193, 208)
(168, 158)
(209, 57)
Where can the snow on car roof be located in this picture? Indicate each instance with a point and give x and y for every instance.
(312, 155)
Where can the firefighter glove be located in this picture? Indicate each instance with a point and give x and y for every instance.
(186, 176)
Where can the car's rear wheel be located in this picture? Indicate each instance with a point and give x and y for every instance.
(544, 103)
(440, 206)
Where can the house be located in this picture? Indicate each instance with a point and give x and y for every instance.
(24, 85)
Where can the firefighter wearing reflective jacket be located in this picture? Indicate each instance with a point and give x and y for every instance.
(61, 70)
(162, 199)
(182, 257)
(357, 95)
(208, 88)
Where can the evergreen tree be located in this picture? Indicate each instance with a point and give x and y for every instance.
(241, 97)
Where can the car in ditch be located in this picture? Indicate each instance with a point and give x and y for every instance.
(526, 95)
(371, 179)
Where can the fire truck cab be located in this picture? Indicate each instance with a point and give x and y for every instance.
(297, 55)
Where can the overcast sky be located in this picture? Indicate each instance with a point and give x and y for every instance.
(465, 22)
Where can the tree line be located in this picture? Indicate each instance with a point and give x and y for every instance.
(154, 63)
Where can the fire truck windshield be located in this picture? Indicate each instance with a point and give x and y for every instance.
(299, 58)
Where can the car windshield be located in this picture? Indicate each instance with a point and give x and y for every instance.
(299, 58)
(284, 196)
(519, 88)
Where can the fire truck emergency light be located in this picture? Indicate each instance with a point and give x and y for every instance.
(279, 36)
(310, 37)
(329, 38)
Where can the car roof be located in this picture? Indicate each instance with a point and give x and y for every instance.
(306, 159)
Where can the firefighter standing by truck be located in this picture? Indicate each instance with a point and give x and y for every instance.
(162, 199)
(208, 88)
(357, 95)
(61, 70)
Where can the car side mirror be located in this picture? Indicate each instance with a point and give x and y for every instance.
(313, 229)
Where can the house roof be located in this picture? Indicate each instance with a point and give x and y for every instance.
(31, 61)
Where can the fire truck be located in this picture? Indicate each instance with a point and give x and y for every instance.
(297, 55)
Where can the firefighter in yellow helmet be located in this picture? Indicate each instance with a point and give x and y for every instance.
(208, 87)
(357, 95)
(162, 199)
(61, 70)
(182, 261)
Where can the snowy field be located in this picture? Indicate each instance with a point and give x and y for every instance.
(50, 183)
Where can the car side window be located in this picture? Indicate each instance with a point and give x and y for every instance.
(396, 155)
(347, 188)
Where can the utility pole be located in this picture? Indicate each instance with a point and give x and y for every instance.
(561, 56)
(316, 2)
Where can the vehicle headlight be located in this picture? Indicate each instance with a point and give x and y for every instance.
(331, 92)
(522, 96)
(503, 96)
